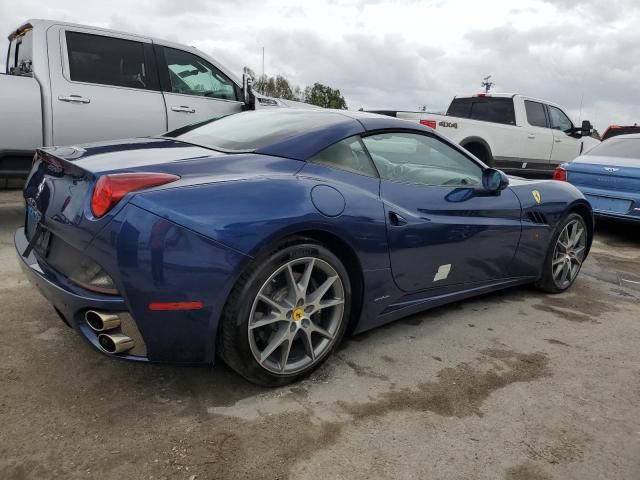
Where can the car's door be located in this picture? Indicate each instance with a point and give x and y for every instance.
(194, 89)
(565, 147)
(103, 87)
(443, 228)
(537, 139)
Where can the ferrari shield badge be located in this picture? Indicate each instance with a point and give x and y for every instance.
(536, 196)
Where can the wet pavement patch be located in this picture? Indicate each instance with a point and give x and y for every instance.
(460, 390)
(526, 471)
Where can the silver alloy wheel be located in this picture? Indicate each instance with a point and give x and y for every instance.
(568, 254)
(296, 315)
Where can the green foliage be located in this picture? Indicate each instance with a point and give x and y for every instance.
(279, 87)
(324, 96)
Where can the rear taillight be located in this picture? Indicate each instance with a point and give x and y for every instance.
(560, 174)
(110, 189)
(428, 123)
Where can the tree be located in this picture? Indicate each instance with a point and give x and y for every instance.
(324, 96)
(279, 87)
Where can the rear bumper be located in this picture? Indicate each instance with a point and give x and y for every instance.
(69, 301)
(631, 202)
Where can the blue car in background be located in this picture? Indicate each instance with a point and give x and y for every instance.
(264, 237)
(609, 177)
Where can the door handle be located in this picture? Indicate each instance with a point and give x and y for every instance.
(557, 140)
(184, 109)
(396, 220)
(531, 137)
(74, 99)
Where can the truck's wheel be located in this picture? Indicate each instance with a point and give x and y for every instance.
(481, 152)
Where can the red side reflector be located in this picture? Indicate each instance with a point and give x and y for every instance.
(110, 189)
(560, 174)
(159, 306)
(428, 123)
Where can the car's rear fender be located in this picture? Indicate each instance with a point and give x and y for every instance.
(153, 260)
(250, 215)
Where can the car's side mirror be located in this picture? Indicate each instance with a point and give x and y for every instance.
(586, 128)
(494, 180)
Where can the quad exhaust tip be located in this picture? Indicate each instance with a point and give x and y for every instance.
(101, 321)
(115, 342)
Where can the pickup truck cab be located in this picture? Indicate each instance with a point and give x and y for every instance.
(68, 84)
(512, 132)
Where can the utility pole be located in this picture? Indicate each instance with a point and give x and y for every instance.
(486, 84)
(580, 116)
(262, 62)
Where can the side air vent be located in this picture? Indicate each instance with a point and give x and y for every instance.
(537, 217)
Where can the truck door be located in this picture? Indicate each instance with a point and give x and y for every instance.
(565, 147)
(103, 87)
(194, 89)
(535, 146)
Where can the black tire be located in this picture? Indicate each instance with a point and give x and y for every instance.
(547, 282)
(234, 345)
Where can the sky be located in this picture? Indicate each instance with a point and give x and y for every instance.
(399, 54)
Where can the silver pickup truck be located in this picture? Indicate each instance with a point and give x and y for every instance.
(69, 84)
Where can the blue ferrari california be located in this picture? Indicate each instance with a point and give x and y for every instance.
(264, 237)
(609, 177)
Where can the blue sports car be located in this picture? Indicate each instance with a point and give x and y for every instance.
(264, 237)
(609, 177)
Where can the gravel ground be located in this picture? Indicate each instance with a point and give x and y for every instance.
(515, 385)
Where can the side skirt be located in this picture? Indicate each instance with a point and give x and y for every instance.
(412, 304)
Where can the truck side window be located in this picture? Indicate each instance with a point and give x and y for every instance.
(535, 114)
(19, 60)
(559, 120)
(106, 60)
(191, 75)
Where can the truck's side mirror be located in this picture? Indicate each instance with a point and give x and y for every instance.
(586, 128)
(248, 97)
(494, 180)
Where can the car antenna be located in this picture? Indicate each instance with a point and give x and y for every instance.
(486, 84)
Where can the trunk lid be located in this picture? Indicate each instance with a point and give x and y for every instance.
(59, 189)
(605, 173)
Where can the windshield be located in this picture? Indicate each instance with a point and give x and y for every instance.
(250, 131)
(618, 147)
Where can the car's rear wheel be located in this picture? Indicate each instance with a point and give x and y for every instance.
(567, 251)
(286, 314)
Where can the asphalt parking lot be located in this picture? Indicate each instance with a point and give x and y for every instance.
(516, 385)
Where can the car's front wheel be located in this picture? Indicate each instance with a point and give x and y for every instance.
(567, 251)
(286, 314)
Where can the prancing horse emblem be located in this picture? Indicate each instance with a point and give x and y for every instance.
(536, 196)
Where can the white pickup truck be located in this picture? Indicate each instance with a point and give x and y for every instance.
(511, 132)
(69, 84)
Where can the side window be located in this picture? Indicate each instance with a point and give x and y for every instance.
(106, 60)
(412, 158)
(191, 75)
(348, 155)
(559, 120)
(20, 58)
(535, 114)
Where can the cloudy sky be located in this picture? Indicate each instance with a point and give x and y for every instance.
(399, 54)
